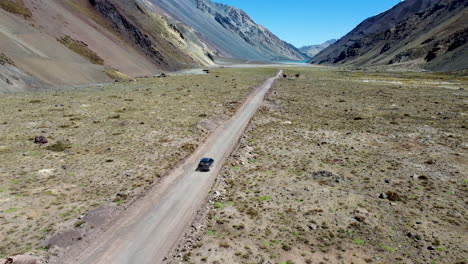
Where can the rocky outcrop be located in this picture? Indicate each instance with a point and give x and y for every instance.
(125, 27)
(239, 22)
(230, 31)
(420, 36)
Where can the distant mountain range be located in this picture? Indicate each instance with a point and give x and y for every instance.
(313, 50)
(431, 34)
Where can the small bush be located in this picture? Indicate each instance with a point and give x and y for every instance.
(286, 247)
(224, 244)
(11, 210)
(59, 146)
(359, 242)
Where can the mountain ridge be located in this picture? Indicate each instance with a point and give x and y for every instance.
(414, 36)
(312, 50)
(229, 30)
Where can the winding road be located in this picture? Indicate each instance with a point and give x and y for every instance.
(149, 230)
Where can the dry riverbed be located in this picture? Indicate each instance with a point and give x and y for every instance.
(101, 147)
(344, 167)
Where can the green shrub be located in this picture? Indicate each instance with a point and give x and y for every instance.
(11, 210)
(59, 146)
(359, 241)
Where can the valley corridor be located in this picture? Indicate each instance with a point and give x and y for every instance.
(150, 229)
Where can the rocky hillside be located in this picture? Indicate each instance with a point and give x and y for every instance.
(313, 50)
(229, 30)
(53, 43)
(415, 33)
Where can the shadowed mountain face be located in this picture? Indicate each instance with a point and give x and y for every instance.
(313, 50)
(229, 30)
(431, 33)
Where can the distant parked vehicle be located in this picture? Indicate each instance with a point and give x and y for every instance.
(205, 164)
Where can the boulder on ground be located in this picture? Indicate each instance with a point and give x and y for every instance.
(20, 259)
(40, 140)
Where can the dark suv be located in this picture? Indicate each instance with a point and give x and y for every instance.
(205, 164)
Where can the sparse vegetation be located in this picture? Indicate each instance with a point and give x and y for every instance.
(93, 161)
(16, 7)
(116, 75)
(326, 187)
(4, 59)
(82, 49)
(59, 146)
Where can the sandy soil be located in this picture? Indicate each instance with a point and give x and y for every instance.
(336, 169)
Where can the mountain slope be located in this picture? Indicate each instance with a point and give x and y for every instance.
(38, 58)
(313, 50)
(161, 41)
(230, 30)
(55, 43)
(415, 32)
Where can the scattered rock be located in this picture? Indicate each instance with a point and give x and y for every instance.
(321, 175)
(40, 140)
(312, 227)
(360, 218)
(383, 196)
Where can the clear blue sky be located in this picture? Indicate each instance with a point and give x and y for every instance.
(306, 22)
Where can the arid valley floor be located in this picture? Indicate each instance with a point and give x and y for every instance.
(337, 166)
(344, 167)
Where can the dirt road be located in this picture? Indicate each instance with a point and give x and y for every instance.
(150, 229)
